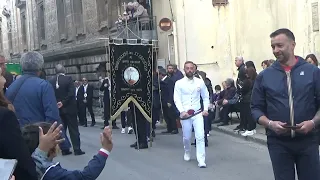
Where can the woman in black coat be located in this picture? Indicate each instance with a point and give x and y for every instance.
(12, 144)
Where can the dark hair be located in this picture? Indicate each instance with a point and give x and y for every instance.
(284, 31)
(189, 62)
(252, 73)
(4, 101)
(217, 87)
(314, 58)
(30, 134)
(250, 64)
(266, 62)
(271, 61)
(162, 72)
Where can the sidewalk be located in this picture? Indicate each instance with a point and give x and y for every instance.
(259, 137)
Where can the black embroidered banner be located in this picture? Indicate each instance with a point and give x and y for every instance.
(131, 78)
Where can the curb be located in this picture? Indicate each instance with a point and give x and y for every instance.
(255, 139)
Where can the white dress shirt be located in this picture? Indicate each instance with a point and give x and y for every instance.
(85, 88)
(187, 94)
(77, 89)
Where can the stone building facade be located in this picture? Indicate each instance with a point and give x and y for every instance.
(64, 31)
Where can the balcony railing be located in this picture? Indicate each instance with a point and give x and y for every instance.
(140, 28)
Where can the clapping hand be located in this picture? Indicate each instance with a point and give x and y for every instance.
(106, 139)
(51, 138)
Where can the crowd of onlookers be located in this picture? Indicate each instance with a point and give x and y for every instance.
(236, 96)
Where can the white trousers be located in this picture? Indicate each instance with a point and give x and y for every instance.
(198, 125)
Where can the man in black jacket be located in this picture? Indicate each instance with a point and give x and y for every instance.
(65, 95)
(169, 111)
(285, 100)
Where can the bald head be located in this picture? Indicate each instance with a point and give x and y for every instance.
(60, 69)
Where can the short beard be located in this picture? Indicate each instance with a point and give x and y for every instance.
(190, 75)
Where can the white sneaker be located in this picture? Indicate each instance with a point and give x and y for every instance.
(130, 130)
(186, 156)
(202, 165)
(247, 133)
(123, 130)
(254, 131)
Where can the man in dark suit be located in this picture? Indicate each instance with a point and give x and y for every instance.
(105, 85)
(64, 91)
(88, 101)
(79, 91)
(167, 89)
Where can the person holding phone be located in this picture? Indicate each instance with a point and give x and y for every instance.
(285, 100)
(43, 139)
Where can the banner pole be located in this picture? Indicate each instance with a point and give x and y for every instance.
(108, 73)
(136, 126)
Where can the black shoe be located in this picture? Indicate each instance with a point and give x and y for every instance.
(216, 121)
(193, 144)
(92, 124)
(142, 146)
(115, 127)
(85, 125)
(174, 132)
(78, 152)
(66, 152)
(153, 134)
(223, 124)
(133, 145)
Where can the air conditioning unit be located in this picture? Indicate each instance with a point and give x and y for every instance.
(219, 2)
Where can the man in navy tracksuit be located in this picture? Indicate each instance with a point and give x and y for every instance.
(285, 100)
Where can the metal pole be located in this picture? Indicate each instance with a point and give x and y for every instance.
(169, 52)
(136, 125)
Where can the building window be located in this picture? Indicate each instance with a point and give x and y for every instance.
(41, 22)
(78, 16)
(219, 2)
(102, 10)
(61, 15)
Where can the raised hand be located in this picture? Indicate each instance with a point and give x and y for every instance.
(51, 138)
(106, 139)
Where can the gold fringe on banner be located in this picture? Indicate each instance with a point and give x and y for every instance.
(126, 104)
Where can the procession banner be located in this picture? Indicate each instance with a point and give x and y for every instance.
(14, 68)
(131, 78)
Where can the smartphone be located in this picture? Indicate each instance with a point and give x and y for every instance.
(290, 127)
(7, 167)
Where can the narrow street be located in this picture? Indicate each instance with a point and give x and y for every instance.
(228, 158)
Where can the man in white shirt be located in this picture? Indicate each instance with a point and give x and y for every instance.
(187, 94)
